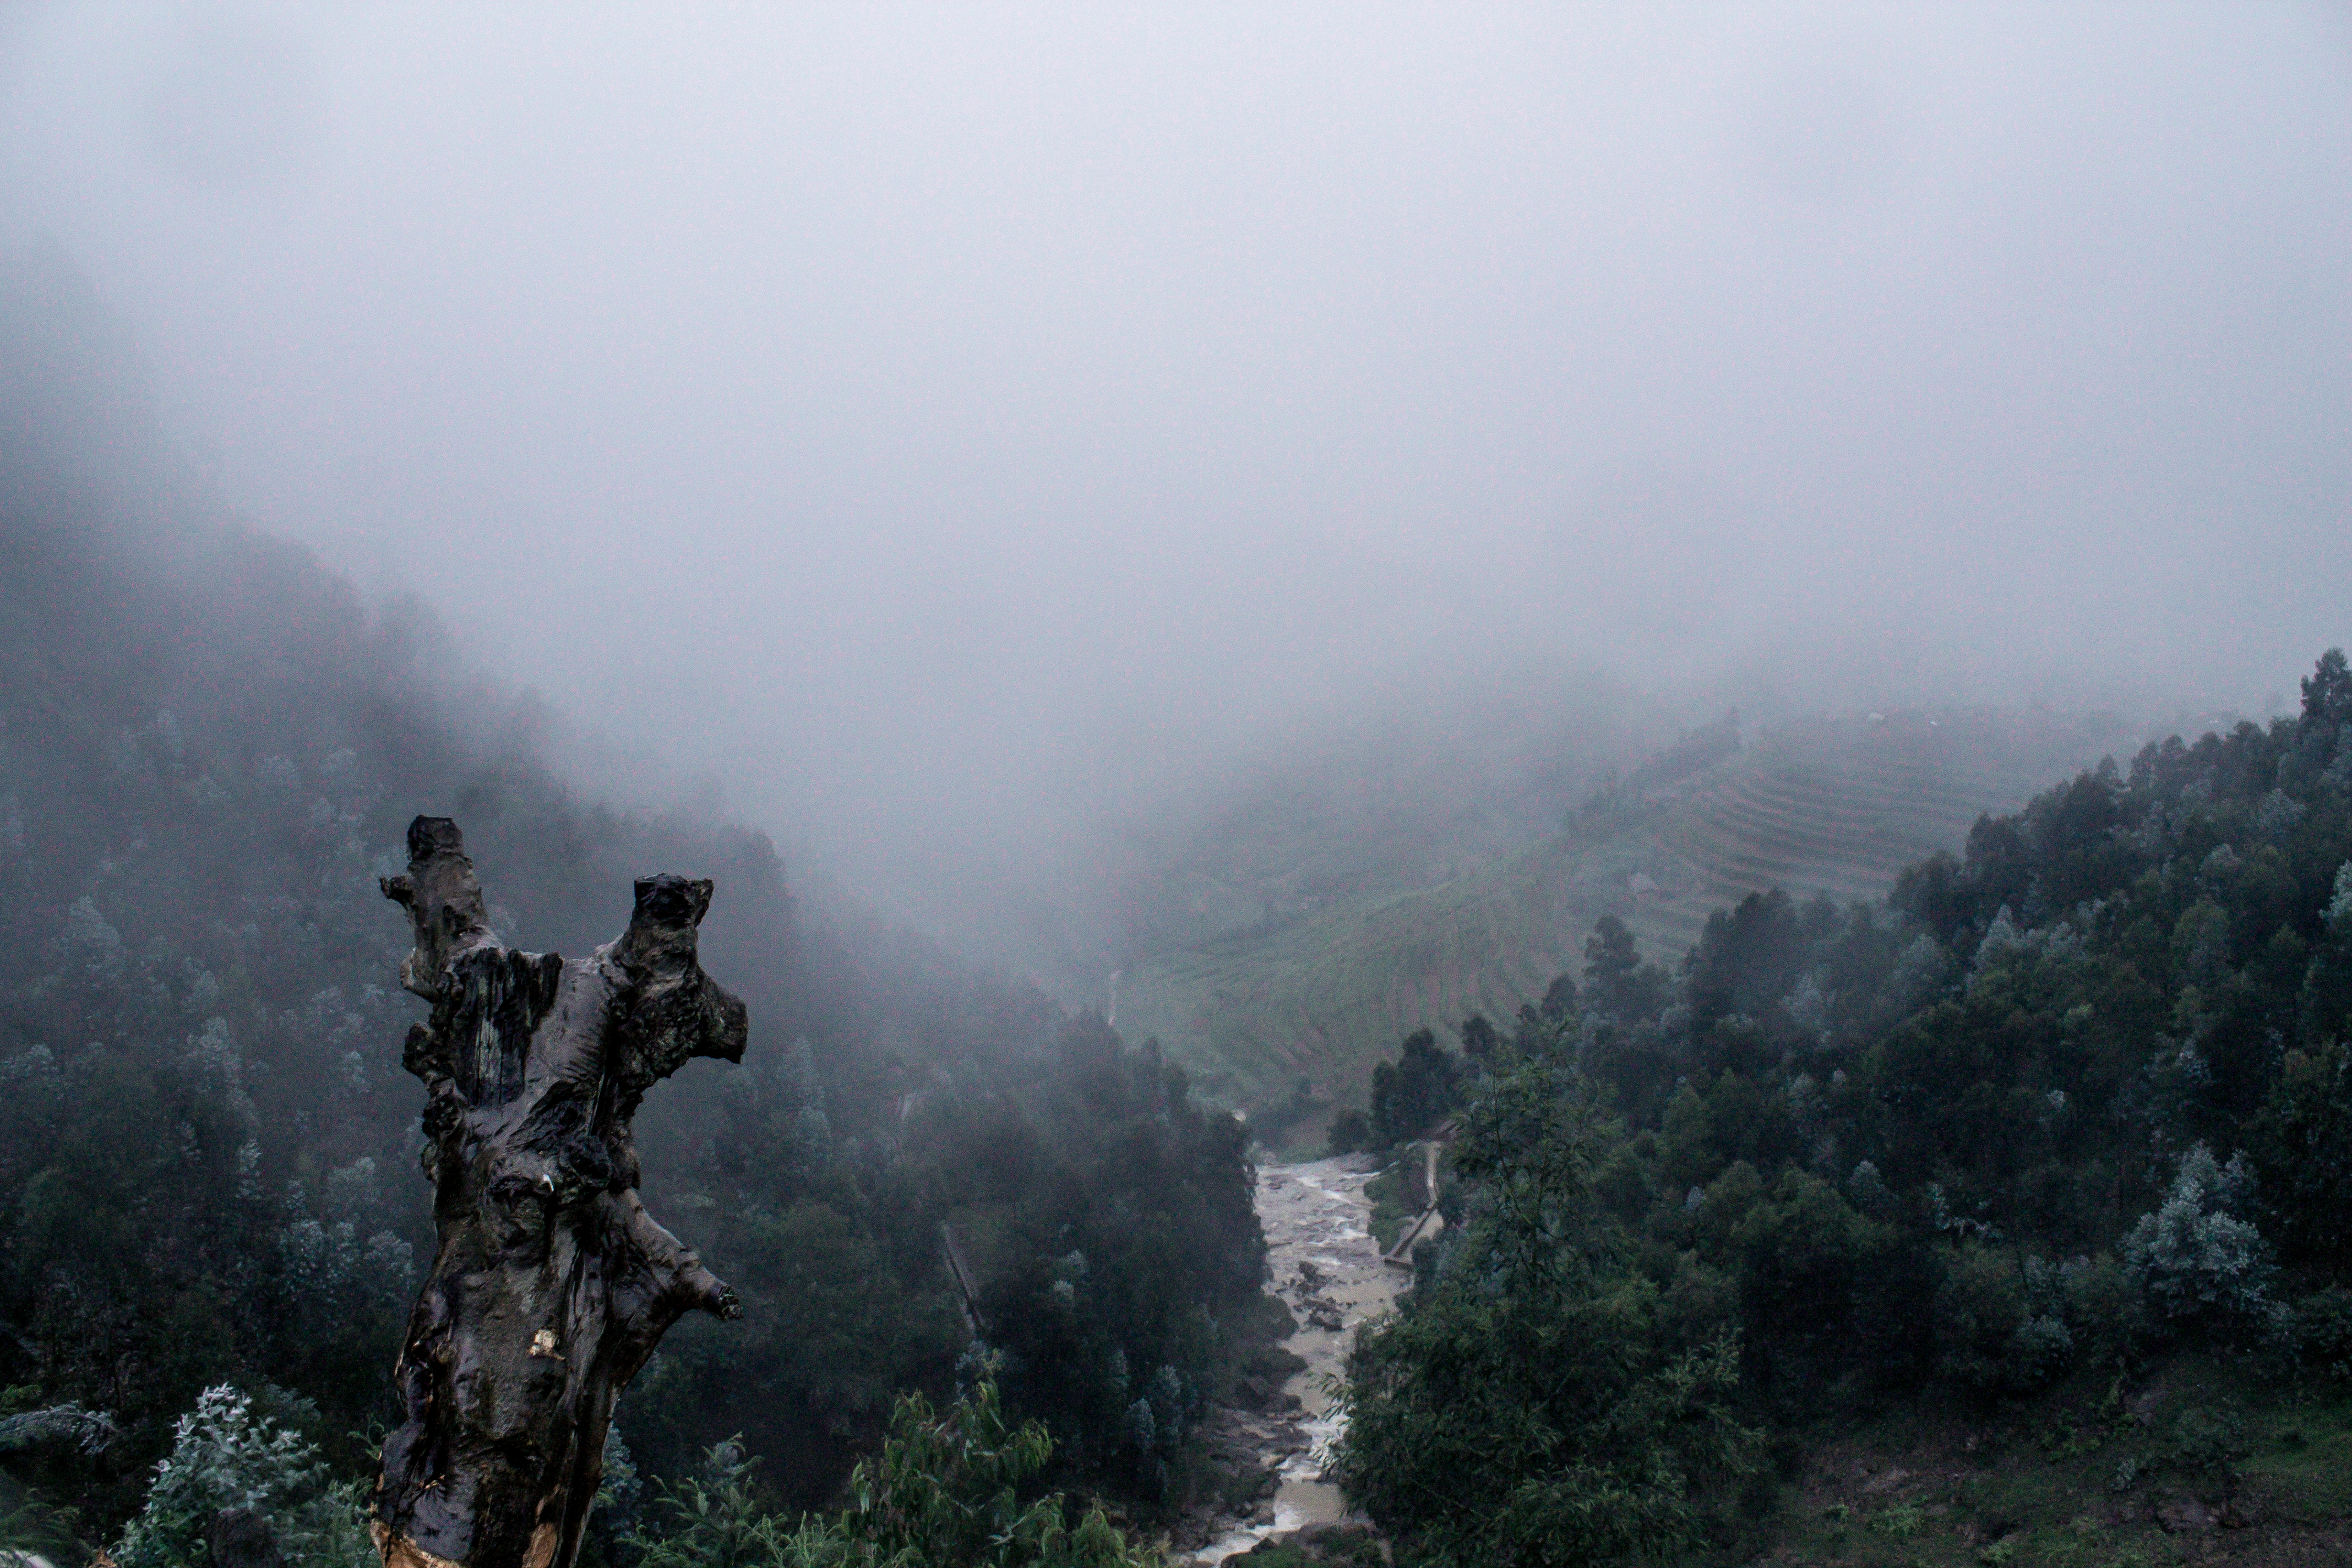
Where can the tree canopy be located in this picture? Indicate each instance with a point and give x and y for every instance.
(2070, 1097)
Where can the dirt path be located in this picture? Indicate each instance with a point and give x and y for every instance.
(1327, 1269)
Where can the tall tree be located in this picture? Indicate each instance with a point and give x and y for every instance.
(2327, 690)
(1529, 1406)
(552, 1284)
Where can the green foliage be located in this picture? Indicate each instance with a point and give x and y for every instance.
(2323, 1323)
(30, 1523)
(1747, 958)
(1967, 1138)
(946, 1490)
(1389, 1212)
(1109, 1216)
(1899, 1522)
(2207, 1441)
(1319, 1546)
(2105, 1311)
(2306, 1134)
(2001, 1553)
(225, 1455)
(713, 1519)
(1990, 1335)
(1528, 1405)
(2327, 691)
(67, 1427)
(2192, 1255)
(1618, 986)
(1412, 1094)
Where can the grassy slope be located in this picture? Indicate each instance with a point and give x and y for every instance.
(2091, 1473)
(1827, 805)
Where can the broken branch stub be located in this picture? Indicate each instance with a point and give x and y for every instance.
(552, 1284)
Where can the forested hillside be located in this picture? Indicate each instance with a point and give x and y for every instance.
(2065, 1111)
(209, 750)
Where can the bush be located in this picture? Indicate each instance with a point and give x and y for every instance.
(2192, 1255)
(225, 1456)
(945, 1492)
(2207, 1441)
(2105, 1307)
(2323, 1333)
(1980, 1310)
(1999, 1326)
(32, 1527)
(1900, 1521)
(2039, 1351)
(712, 1519)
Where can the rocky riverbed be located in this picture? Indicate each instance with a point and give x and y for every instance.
(1328, 1270)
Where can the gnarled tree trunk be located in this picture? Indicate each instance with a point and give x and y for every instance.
(552, 1284)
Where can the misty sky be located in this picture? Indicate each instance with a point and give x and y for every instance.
(952, 426)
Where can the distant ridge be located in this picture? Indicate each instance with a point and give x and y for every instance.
(1827, 804)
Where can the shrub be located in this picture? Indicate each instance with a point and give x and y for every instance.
(2038, 1352)
(713, 1520)
(1901, 1522)
(945, 1492)
(2207, 1441)
(32, 1527)
(1999, 1326)
(2323, 1324)
(2192, 1255)
(2103, 1306)
(1979, 1308)
(223, 1456)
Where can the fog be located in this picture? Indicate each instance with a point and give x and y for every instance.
(961, 434)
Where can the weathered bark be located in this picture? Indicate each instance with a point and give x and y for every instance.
(552, 1284)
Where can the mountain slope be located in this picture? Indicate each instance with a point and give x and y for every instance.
(1829, 805)
(210, 747)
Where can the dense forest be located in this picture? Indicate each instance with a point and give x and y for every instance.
(2066, 1104)
(209, 749)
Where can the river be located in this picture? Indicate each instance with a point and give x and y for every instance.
(1328, 1270)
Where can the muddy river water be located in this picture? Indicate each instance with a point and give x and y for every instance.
(1328, 1270)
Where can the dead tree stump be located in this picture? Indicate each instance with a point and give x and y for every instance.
(552, 1284)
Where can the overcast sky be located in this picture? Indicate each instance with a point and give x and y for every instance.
(951, 427)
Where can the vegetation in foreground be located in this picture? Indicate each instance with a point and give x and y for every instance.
(2073, 1112)
(955, 1488)
(952, 1489)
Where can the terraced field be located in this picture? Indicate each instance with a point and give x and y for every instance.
(1834, 806)
(1842, 808)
